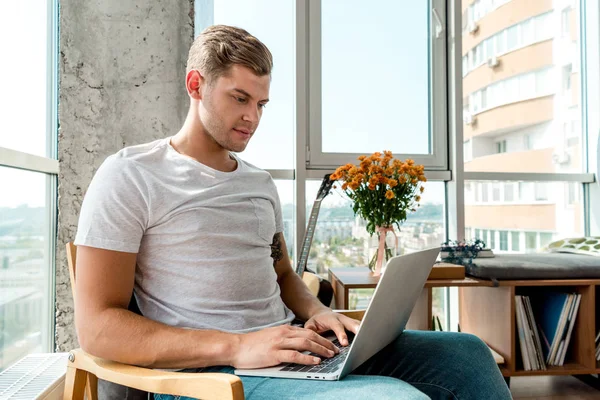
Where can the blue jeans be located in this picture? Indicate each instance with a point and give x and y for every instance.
(417, 365)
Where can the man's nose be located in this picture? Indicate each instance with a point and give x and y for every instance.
(252, 115)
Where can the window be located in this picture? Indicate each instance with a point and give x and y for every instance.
(572, 193)
(500, 39)
(495, 192)
(541, 191)
(489, 48)
(545, 238)
(339, 133)
(564, 22)
(530, 241)
(527, 207)
(512, 37)
(485, 236)
(28, 180)
(492, 239)
(13, 24)
(485, 192)
(515, 244)
(278, 121)
(509, 192)
(341, 239)
(543, 27)
(468, 150)
(511, 90)
(527, 32)
(483, 95)
(501, 146)
(566, 79)
(528, 141)
(503, 240)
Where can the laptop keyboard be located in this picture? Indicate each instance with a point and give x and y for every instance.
(327, 364)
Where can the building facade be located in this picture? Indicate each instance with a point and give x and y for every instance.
(521, 113)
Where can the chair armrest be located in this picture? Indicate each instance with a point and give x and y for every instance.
(198, 385)
(355, 314)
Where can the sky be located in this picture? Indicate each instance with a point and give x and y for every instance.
(23, 112)
(365, 108)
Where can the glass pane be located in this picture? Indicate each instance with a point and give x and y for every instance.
(23, 113)
(375, 75)
(538, 213)
(285, 188)
(341, 240)
(273, 23)
(24, 265)
(533, 100)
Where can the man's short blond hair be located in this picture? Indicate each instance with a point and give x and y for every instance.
(219, 47)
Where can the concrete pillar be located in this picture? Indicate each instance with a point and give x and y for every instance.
(122, 74)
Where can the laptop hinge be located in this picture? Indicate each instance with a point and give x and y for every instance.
(307, 155)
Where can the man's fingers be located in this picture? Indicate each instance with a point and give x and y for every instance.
(293, 356)
(315, 337)
(305, 344)
(340, 332)
(350, 324)
(311, 326)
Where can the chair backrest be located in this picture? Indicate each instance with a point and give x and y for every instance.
(71, 257)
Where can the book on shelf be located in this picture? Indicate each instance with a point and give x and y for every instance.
(545, 323)
(598, 346)
(557, 313)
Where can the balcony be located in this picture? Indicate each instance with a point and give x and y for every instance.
(535, 217)
(534, 161)
(505, 16)
(510, 117)
(530, 58)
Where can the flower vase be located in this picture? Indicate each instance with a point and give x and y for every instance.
(383, 246)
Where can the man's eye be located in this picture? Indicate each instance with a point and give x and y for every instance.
(240, 99)
(263, 106)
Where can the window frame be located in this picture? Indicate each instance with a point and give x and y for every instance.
(437, 159)
(48, 165)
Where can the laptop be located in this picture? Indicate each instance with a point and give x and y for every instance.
(391, 305)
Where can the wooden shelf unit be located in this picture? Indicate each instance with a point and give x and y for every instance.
(489, 313)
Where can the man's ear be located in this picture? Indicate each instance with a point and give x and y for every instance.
(194, 82)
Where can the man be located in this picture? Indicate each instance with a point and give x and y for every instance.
(196, 233)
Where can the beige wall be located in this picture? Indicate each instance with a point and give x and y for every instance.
(516, 62)
(511, 217)
(503, 17)
(522, 161)
(512, 115)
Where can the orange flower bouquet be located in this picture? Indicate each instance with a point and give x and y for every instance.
(384, 190)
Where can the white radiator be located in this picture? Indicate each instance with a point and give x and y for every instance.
(36, 376)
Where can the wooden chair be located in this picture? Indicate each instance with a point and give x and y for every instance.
(84, 370)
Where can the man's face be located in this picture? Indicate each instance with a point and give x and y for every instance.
(232, 106)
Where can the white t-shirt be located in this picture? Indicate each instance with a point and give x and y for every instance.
(202, 236)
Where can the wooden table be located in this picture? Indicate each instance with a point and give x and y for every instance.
(345, 279)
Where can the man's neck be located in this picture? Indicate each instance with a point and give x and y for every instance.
(194, 143)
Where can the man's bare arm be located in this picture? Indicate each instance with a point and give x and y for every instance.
(107, 329)
(294, 292)
(104, 284)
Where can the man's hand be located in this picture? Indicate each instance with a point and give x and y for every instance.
(272, 346)
(338, 323)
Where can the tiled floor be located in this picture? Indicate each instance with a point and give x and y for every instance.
(552, 388)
